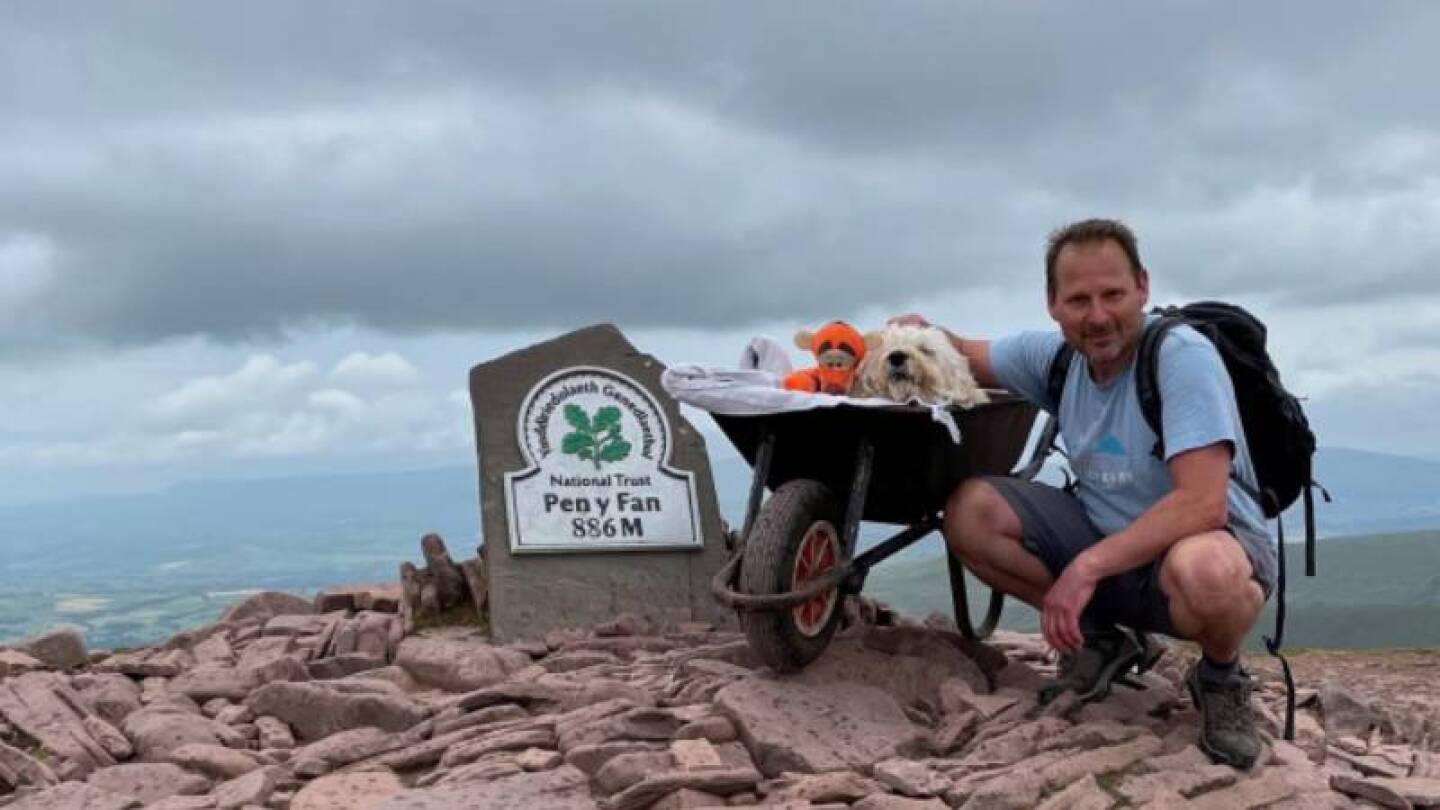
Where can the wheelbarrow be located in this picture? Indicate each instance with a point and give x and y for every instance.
(830, 468)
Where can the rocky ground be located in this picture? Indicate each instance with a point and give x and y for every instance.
(289, 703)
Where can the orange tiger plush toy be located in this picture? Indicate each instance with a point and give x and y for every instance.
(838, 347)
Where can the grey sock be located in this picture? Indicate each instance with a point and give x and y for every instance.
(1216, 672)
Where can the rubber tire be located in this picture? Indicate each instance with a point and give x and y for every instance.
(766, 569)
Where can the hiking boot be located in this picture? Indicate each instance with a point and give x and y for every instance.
(1108, 656)
(1227, 723)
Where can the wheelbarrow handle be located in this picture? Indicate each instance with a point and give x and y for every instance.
(724, 594)
(1044, 446)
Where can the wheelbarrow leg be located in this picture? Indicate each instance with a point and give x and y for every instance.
(859, 489)
(757, 484)
(722, 585)
(961, 603)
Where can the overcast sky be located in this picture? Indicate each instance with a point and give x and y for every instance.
(269, 238)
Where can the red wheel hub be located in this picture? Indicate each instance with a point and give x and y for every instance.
(818, 554)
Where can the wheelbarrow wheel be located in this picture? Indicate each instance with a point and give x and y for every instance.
(796, 538)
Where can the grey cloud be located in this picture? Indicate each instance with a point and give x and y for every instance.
(1417, 334)
(844, 73)
(235, 171)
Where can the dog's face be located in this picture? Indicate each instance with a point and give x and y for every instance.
(907, 363)
(909, 359)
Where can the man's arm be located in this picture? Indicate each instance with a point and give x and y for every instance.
(975, 350)
(1197, 504)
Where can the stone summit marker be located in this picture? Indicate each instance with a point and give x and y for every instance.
(596, 494)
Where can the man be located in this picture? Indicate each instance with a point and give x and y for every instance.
(1171, 545)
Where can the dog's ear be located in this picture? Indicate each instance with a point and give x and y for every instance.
(803, 338)
(960, 383)
(873, 340)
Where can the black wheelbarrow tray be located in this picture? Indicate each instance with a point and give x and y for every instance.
(830, 468)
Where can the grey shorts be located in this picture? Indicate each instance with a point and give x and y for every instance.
(1055, 528)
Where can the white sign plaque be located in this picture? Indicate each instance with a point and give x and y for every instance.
(597, 444)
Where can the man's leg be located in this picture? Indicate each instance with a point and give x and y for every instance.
(1012, 534)
(1213, 600)
(982, 529)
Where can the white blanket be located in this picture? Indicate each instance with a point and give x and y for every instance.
(757, 390)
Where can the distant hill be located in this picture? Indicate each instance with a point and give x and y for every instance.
(132, 568)
(1369, 591)
(1373, 493)
(1378, 580)
(250, 527)
(361, 514)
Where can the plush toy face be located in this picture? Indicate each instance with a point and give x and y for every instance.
(837, 345)
(838, 348)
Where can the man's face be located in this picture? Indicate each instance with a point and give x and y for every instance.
(1098, 303)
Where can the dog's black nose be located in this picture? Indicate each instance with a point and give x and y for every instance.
(896, 359)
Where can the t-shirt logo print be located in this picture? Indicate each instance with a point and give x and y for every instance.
(1105, 464)
(1108, 445)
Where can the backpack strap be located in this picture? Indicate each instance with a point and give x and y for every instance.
(1147, 376)
(1055, 377)
(1272, 643)
(1309, 496)
(1147, 390)
(1055, 389)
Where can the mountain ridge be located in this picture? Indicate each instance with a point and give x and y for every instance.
(133, 567)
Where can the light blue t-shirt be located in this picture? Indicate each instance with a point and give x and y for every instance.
(1108, 440)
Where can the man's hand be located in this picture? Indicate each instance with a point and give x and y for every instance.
(1064, 602)
(909, 319)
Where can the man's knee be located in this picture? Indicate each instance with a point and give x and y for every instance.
(972, 509)
(976, 514)
(1211, 575)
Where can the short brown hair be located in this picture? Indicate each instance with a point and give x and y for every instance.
(1091, 230)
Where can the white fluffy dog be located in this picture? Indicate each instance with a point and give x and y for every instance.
(908, 363)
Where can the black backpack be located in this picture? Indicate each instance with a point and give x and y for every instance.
(1282, 446)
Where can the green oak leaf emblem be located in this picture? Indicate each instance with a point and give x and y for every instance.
(595, 438)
